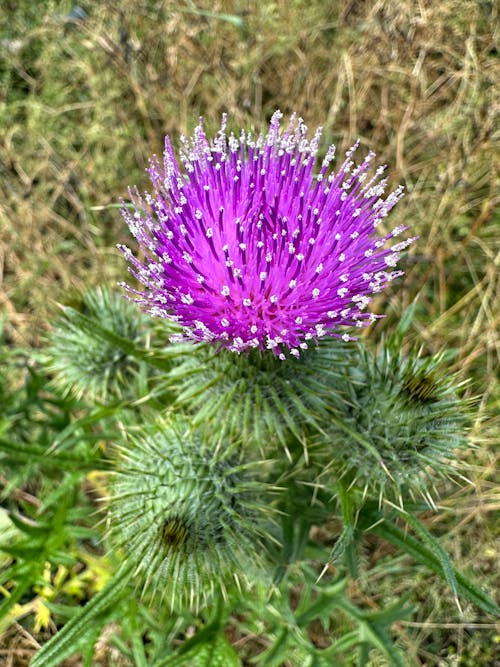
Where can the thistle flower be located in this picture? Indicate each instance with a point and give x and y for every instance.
(189, 517)
(83, 361)
(403, 420)
(246, 247)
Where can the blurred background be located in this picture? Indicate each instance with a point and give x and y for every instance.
(88, 92)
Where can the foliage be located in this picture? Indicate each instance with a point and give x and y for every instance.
(187, 513)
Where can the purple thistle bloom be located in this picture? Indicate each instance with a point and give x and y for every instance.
(244, 246)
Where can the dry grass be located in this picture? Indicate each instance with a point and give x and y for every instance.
(83, 106)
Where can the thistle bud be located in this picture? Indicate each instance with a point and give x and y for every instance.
(84, 361)
(188, 516)
(402, 421)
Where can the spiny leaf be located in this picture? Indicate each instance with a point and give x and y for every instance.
(343, 644)
(437, 549)
(378, 638)
(40, 529)
(389, 531)
(277, 653)
(372, 627)
(24, 453)
(65, 642)
(327, 600)
(217, 653)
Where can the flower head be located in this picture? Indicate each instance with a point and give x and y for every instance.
(246, 246)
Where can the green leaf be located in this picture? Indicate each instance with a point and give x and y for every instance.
(88, 646)
(33, 529)
(24, 453)
(389, 531)
(437, 550)
(391, 614)
(65, 642)
(23, 584)
(343, 644)
(277, 653)
(73, 431)
(372, 628)
(327, 600)
(403, 325)
(205, 649)
(219, 654)
(379, 639)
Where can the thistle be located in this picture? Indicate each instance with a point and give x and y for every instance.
(188, 516)
(246, 247)
(85, 363)
(402, 421)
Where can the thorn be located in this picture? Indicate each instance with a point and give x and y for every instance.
(386, 470)
(322, 573)
(381, 520)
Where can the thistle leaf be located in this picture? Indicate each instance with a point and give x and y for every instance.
(434, 546)
(389, 531)
(65, 642)
(343, 644)
(327, 600)
(24, 453)
(205, 649)
(372, 628)
(378, 638)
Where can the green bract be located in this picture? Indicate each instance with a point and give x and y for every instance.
(187, 514)
(401, 422)
(89, 364)
(256, 398)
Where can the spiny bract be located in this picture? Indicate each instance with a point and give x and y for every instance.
(247, 247)
(256, 400)
(87, 364)
(402, 419)
(189, 517)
